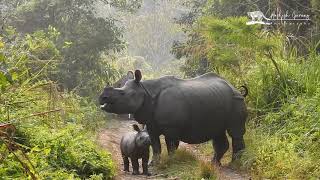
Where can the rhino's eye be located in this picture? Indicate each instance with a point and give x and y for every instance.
(104, 98)
(122, 93)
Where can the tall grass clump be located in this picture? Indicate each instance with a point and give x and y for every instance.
(284, 136)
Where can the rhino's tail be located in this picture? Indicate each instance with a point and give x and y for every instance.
(246, 91)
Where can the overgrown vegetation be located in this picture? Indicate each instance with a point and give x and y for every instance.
(282, 73)
(54, 59)
(53, 137)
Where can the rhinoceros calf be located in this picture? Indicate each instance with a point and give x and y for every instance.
(193, 110)
(135, 145)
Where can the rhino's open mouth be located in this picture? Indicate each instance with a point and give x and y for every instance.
(105, 105)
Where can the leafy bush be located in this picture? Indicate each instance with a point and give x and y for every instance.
(68, 152)
(71, 149)
(59, 145)
(54, 136)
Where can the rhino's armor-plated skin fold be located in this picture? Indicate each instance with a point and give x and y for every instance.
(193, 111)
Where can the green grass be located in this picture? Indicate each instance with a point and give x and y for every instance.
(185, 165)
(283, 139)
(274, 157)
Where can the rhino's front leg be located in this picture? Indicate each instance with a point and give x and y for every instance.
(156, 149)
(172, 145)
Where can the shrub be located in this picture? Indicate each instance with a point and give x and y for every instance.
(55, 130)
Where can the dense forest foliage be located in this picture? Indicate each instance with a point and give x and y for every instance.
(57, 55)
(52, 66)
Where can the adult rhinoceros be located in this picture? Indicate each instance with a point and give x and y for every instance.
(193, 110)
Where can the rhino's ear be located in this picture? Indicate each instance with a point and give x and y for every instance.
(144, 127)
(130, 75)
(137, 76)
(136, 127)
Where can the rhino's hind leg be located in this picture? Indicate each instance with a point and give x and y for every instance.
(237, 146)
(172, 145)
(221, 145)
(126, 163)
(237, 141)
(237, 128)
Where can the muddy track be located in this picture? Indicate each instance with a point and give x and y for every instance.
(109, 138)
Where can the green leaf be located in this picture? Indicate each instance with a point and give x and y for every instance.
(2, 57)
(67, 44)
(3, 79)
(47, 151)
(6, 75)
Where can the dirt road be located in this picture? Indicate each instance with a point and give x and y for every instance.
(110, 137)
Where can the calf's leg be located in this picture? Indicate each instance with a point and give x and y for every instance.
(135, 166)
(126, 163)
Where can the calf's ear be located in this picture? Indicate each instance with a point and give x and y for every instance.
(130, 75)
(137, 76)
(136, 128)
